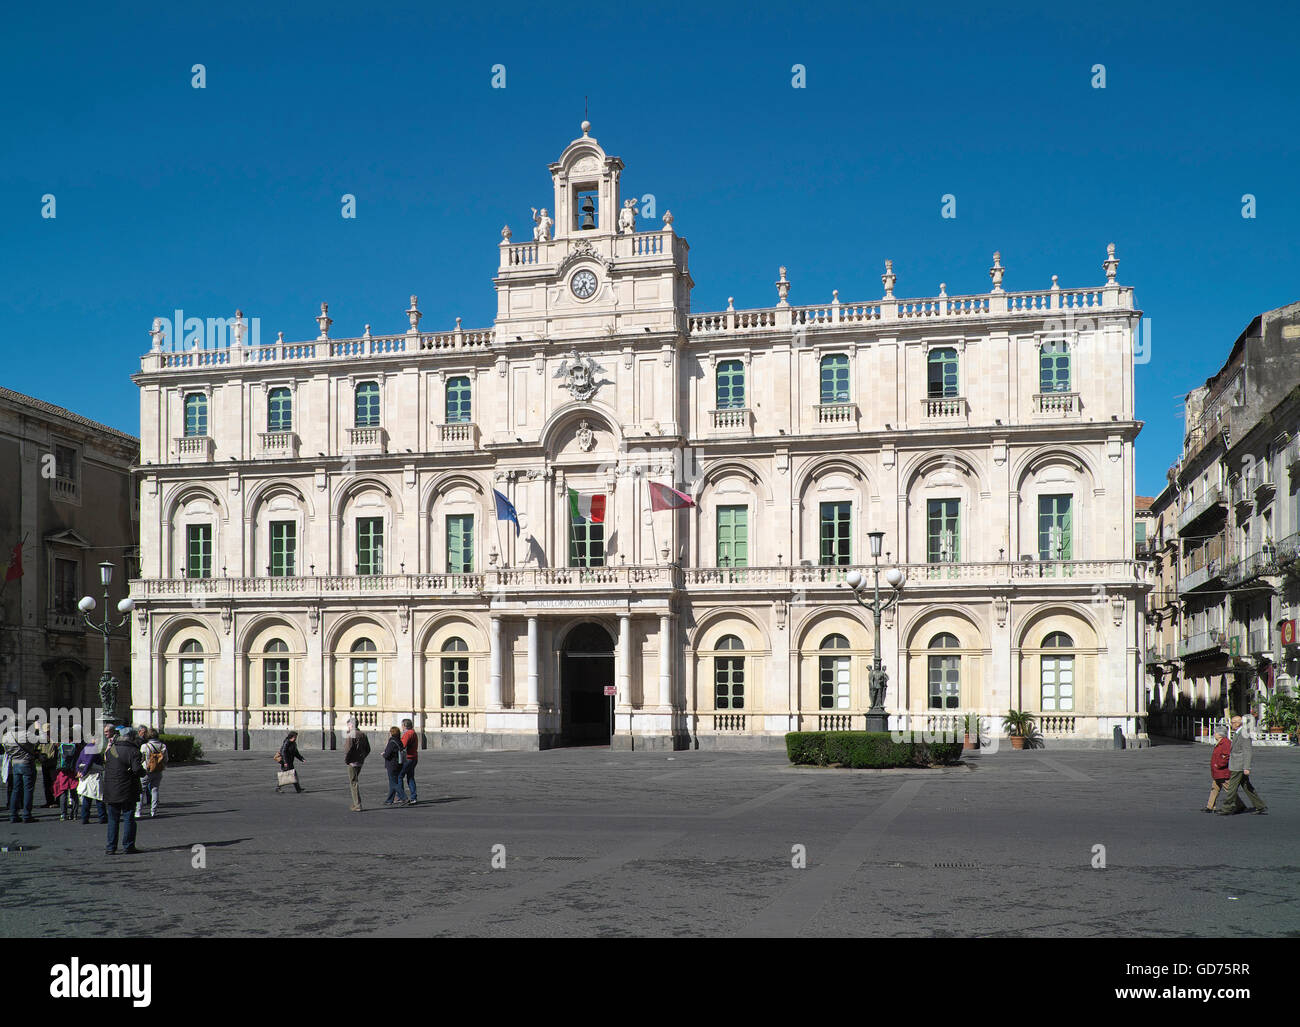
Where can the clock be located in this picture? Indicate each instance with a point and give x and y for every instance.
(583, 284)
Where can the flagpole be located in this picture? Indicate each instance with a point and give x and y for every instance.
(654, 541)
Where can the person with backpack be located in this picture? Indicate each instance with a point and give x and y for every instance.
(411, 747)
(122, 770)
(153, 754)
(65, 779)
(358, 748)
(286, 756)
(394, 754)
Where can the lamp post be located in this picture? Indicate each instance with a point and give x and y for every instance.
(877, 719)
(107, 683)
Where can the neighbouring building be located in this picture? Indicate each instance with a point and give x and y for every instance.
(1163, 626)
(66, 499)
(1238, 528)
(321, 534)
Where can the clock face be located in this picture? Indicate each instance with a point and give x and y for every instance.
(583, 284)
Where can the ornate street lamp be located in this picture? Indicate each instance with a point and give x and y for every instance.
(107, 683)
(877, 719)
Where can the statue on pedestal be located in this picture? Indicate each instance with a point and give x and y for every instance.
(542, 233)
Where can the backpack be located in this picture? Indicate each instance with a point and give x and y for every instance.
(156, 758)
(67, 758)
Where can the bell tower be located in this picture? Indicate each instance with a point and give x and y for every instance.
(586, 189)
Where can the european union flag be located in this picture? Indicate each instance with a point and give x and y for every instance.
(506, 510)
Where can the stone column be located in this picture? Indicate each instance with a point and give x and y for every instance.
(624, 668)
(494, 664)
(665, 661)
(534, 664)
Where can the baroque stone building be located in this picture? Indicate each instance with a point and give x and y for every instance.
(66, 498)
(321, 535)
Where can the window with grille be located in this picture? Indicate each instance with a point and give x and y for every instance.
(1058, 673)
(367, 405)
(945, 673)
(196, 414)
(729, 676)
(731, 385)
(458, 403)
(198, 551)
(370, 545)
(942, 531)
(284, 548)
(275, 674)
(279, 412)
(586, 544)
(835, 533)
(365, 674)
(1054, 366)
(455, 674)
(835, 378)
(65, 586)
(833, 674)
(192, 670)
(1055, 535)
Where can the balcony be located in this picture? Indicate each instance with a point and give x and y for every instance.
(367, 440)
(1260, 643)
(1211, 573)
(1243, 491)
(1057, 404)
(837, 415)
(1212, 502)
(1246, 572)
(458, 435)
(66, 490)
(953, 409)
(736, 421)
(194, 449)
(1205, 643)
(59, 620)
(281, 445)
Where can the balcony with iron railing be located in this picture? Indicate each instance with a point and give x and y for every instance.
(1203, 643)
(1211, 573)
(1212, 501)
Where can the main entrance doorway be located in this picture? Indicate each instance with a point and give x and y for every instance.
(586, 667)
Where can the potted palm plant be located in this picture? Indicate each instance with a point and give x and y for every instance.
(1019, 724)
(972, 731)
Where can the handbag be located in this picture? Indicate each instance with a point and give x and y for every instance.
(4, 768)
(286, 777)
(91, 787)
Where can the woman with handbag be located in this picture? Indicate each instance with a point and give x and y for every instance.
(285, 757)
(90, 783)
(394, 756)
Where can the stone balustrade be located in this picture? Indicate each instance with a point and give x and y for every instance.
(1058, 404)
(947, 408)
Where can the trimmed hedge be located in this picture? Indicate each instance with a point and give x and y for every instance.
(181, 748)
(866, 749)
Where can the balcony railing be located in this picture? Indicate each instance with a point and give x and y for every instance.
(1058, 404)
(1243, 491)
(840, 414)
(1202, 643)
(1260, 642)
(1202, 576)
(946, 408)
(460, 435)
(367, 440)
(1212, 500)
(195, 448)
(737, 419)
(278, 444)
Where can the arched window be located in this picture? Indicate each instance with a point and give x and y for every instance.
(275, 674)
(192, 673)
(367, 405)
(942, 377)
(833, 674)
(835, 378)
(731, 385)
(279, 410)
(365, 674)
(196, 414)
(455, 673)
(1054, 366)
(458, 406)
(1058, 673)
(729, 675)
(945, 673)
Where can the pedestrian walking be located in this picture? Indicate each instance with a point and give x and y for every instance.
(1239, 774)
(394, 754)
(90, 780)
(411, 750)
(47, 755)
(354, 755)
(1218, 766)
(21, 754)
(153, 754)
(285, 757)
(65, 780)
(122, 770)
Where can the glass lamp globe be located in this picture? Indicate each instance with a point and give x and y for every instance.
(86, 605)
(895, 577)
(125, 606)
(854, 580)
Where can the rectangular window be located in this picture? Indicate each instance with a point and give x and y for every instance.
(942, 531)
(1140, 531)
(1054, 367)
(65, 463)
(1054, 528)
(455, 681)
(834, 682)
(191, 682)
(279, 414)
(365, 682)
(835, 378)
(586, 544)
(367, 405)
(284, 548)
(731, 385)
(275, 682)
(1058, 683)
(945, 682)
(458, 401)
(835, 526)
(199, 551)
(196, 414)
(941, 381)
(370, 545)
(460, 544)
(733, 536)
(65, 586)
(729, 683)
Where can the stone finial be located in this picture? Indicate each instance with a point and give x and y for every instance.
(888, 279)
(783, 288)
(997, 271)
(505, 233)
(366, 333)
(324, 320)
(1055, 286)
(413, 315)
(835, 295)
(457, 324)
(279, 338)
(943, 290)
(1111, 264)
(668, 217)
(155, 334)
(731, 302)
(238, 328)
(586, 127)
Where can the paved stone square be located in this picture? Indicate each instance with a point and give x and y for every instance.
(601, 843)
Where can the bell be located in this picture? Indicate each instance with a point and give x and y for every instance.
(588, 214)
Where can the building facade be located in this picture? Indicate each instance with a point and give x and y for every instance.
(1236, 495)
(68, 503)
(321, 535)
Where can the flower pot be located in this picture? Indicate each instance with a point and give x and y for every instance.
(1017, 741)
(970, 743)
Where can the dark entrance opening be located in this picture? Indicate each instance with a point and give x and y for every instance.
(586, 667)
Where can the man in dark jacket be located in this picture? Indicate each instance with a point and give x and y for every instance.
(358, 748)
(122, 770)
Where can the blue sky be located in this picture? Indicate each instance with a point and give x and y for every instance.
(228, 196)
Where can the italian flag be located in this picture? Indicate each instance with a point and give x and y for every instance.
(587, 508)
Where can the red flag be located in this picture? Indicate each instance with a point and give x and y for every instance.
(664, 498)
(15, 570)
